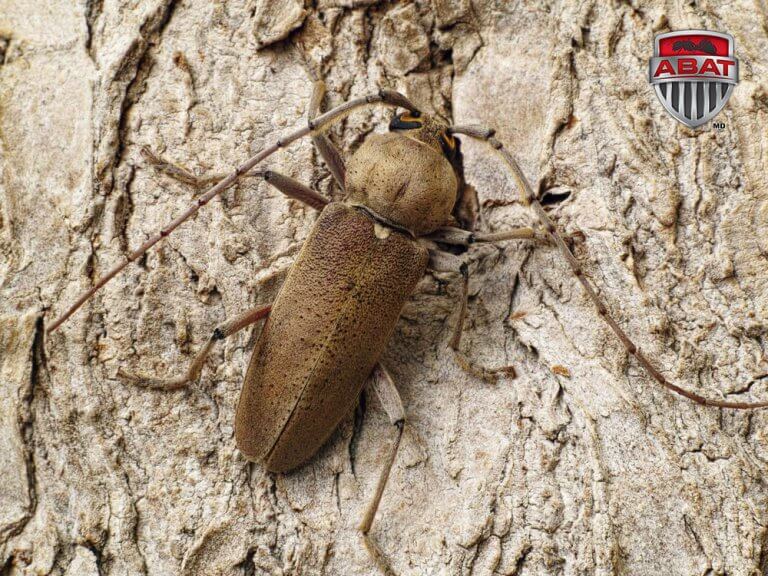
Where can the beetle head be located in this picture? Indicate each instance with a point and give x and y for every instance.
(426, 129)
(407, 177)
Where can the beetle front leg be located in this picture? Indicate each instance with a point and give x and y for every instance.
(328, 151)
(222, 331)
(385, 389)
(461, 237)
(284, 184)
(446, 262)
(179, 172)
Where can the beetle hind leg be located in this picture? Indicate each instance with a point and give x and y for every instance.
(389, 397)
(221, 332)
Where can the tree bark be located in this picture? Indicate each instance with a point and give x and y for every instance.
(580, 465)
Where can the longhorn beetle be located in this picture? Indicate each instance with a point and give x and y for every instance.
(324, 334)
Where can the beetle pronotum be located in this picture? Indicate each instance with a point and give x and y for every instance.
(333, 316)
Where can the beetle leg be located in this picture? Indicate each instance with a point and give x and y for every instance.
(487, 374)
(524, 233)
(460, 237)
(179, 172)
(441, 261)
(327, 150)
(221, 331)
(315, 126)
(389, 397)
(285, 184)
(294, 189)
(529, 198)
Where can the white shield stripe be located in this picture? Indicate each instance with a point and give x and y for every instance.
(706, 97)
(694, 91)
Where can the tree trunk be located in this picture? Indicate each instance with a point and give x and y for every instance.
(580, 465)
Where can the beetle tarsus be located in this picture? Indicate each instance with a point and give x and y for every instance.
(376, 553)
(192, 374)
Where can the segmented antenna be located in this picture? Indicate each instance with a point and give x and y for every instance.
(529, 198)
(313, 127)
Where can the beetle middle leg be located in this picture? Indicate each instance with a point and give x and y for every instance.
(442, 261)
(487, 374)
(385, 389)
(222, 331)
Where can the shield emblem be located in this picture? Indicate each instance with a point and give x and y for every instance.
(693, 73)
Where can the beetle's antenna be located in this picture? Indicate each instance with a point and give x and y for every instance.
(529, 198)
(314, 126)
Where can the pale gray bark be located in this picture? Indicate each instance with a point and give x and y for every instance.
(582, 465)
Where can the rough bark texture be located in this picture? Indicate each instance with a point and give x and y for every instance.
(581, 465)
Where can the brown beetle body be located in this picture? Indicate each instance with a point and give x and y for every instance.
(327, 329)
(341, 299)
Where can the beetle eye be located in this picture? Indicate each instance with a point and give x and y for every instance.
(448, 143)
(405, 121)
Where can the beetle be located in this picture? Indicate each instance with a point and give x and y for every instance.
(323, 337)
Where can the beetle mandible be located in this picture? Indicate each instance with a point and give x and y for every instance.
(324, 334)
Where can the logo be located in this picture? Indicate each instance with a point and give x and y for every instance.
(693, 73)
